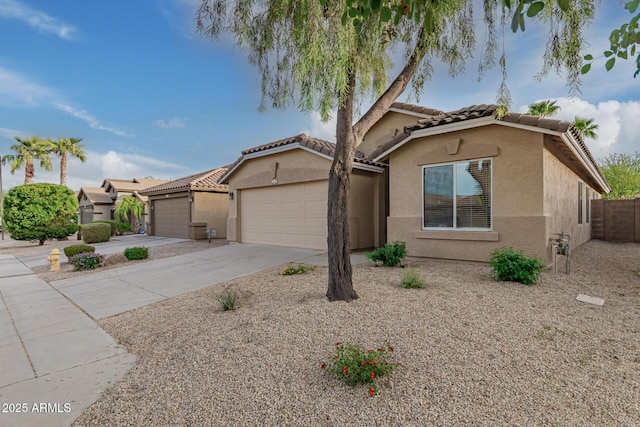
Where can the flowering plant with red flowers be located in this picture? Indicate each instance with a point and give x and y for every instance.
(354, 365)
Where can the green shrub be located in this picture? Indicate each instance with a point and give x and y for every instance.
(124, 227)
(40, 212)
(70, 251)
(300, 269)
(87, 261)
(96, 232)
(412, 279)
(353, 365)
(509, 265)
(228, 300)
(136, 253)
(113, 224)
(391, 254)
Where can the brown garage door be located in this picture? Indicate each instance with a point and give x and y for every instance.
(285, 215)
(171, 217)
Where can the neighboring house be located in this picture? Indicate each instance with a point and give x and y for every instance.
(94, 204)
(99, 203)
(463, 183)
(188, 207)
(278, 195)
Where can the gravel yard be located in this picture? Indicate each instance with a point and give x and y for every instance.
(473, 351)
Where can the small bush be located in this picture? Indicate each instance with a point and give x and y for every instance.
(227, 300)
(87, 261)
(136, 253)
(391, 254)
(300, 269)
(353, 365)
(96, 232)
(124, 227)
(412, 279)
(113, 224)
(70, 251)
(509, 265)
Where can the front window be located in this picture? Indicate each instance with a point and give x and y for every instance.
(457, 195)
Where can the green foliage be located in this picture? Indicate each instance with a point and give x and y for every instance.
(130, 207)
(300, 269)
(136, 253)
(40, 212)
(227, 300)
(26, 152)
(509, 265)
(87, 261)
(391, 254)
(586, 127)
(70, 251)
(96, 232)
(124, 227)
(546, 108)
(622, 172)
(113, 224)
(623, 42)
(412, 279)
(354, 365)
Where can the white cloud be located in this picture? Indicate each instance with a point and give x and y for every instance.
(618, 121)
(98, 167)
(14, 9)
(173, 123)
(320, 129)
(11, 133)
(16, 90)
(91, 121)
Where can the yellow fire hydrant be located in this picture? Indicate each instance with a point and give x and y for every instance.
(54, 259)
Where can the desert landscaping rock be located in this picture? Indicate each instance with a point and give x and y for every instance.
(473, 351)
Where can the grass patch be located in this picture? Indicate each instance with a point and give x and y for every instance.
(290, 270)
(412, 279)
(228, 300)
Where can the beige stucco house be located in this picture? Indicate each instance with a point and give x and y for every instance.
(278, 195)
(463, 183)
(187, 207)
(97, 203)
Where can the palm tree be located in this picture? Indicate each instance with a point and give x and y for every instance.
(64, 146)
(546, 108)
(586, 127)
(130, 208)
(28, 150)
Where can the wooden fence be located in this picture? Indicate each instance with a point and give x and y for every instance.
(615, 220)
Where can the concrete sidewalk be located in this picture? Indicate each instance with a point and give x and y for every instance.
(57, 361)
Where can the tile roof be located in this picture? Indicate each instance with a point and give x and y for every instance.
(319, 145)
(490, 110)
(96, 195)
(200, 181)
(416, 109)
(136, 184)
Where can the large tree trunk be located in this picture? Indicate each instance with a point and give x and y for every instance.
(338, 240)
(63, 169)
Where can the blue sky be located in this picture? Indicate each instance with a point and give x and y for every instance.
(150, 96)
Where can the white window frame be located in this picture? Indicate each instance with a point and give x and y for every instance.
(453, 165)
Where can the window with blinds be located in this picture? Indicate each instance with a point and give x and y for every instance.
(457, 195)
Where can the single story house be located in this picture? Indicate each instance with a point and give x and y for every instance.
(187, 207)
(464, 183)
(100, 202)
(278, 195)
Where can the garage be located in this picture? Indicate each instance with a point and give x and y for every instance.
(291, 215)
(170, 217)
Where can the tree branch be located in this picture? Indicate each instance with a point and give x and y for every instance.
(395, 89)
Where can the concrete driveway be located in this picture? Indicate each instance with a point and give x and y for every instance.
(56, 361)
